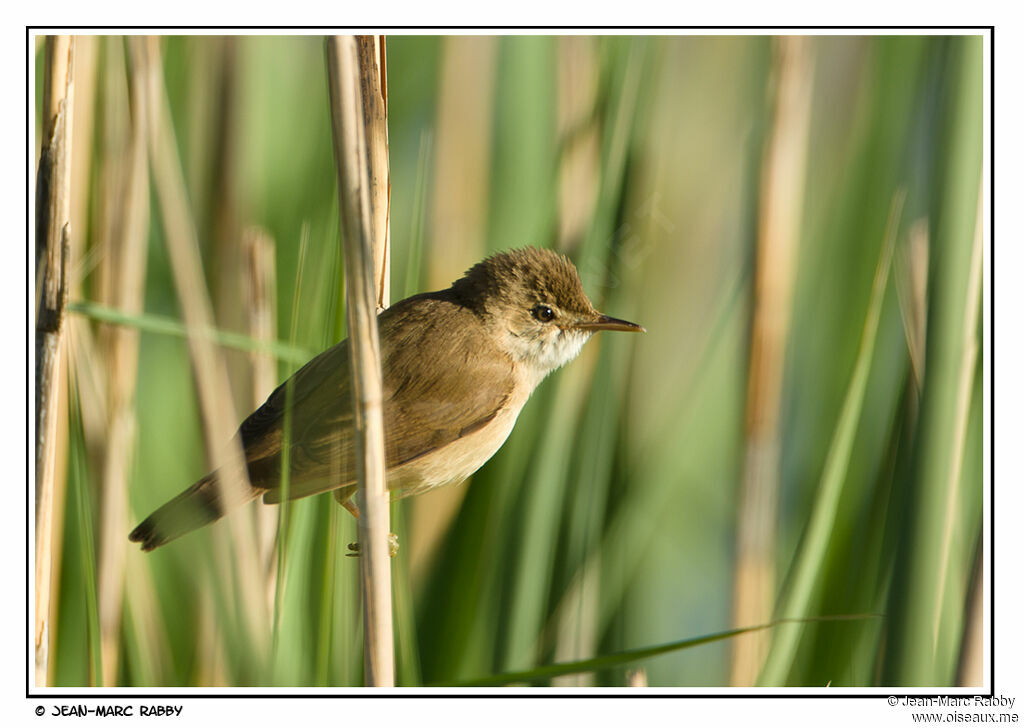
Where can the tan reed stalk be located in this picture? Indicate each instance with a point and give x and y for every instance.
(355, 80)
(57, 83)
(127, 258)
(112, 164)
(460, 188)
(637, 678)
(579, 137)
(216, 407)
(52, 241)
(578, 185)
(218, 124)
(82, 126)
(971, 670)
(259, 285)
(459, 197)
(209, 642)
(84, 350)
(372, 58)
(150, 635)
(782, 185)
(86, 61)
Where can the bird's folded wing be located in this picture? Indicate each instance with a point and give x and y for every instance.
(440, 384)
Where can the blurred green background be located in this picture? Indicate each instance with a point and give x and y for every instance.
(791, 438)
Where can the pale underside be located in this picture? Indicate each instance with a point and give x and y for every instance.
(441, 423)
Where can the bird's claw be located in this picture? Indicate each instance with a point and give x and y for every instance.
(392, 546)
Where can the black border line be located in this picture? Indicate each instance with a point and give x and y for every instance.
(992, 360)
(543, 693)
(991, 364)
(496, 28)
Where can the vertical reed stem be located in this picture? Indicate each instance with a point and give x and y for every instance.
(211, 374)
(356, 84)
(259, 283)
(127, 260)
(52, 241)
(782, 181)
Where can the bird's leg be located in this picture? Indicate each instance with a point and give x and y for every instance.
(346, 502)
(353, 547)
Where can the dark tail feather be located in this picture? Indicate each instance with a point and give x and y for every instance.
(200, 504)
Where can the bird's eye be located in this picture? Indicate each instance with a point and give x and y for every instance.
(543, 313)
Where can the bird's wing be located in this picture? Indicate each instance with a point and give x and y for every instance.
(429, 401)
(308, 393)
(312, 412)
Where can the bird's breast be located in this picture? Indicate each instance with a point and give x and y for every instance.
(459, 459)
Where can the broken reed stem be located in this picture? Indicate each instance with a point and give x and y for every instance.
(782, 184)
(127, 262)
(211, 375)
(52, 242)
(356, 85)
(374, 81)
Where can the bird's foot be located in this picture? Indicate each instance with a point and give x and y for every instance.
(392, 546)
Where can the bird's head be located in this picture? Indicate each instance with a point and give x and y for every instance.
(534, 304)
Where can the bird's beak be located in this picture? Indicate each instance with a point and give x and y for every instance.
(607, 323)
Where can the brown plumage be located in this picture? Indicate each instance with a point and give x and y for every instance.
(457, 366)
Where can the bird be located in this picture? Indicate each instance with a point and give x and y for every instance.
(457, 367)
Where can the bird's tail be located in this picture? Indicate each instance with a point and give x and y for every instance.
(198, 505)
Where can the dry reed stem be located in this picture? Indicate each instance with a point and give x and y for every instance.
(374, 80)
(52, 243)
(354, 84)
(82, 128)
(637, 678)
(86, 61)
(149, 632)
(578, 187)
(460, 189)
(90, 384)
(217, 159)
(84, 351)
(782, 184)
(210, 641)
(579, 137)
(459, 196)
(56, 84)
(212, 382)
(971, 670)
(259, 285)
(112, 164)
(127, 261)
